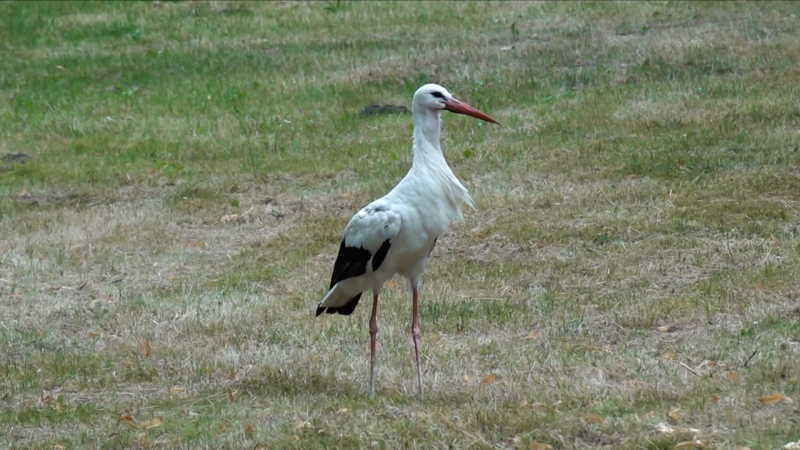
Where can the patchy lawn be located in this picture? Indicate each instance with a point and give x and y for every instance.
(176, 176)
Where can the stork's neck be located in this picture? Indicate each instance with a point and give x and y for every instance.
(426, 138)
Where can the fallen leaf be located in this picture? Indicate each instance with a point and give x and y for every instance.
(229, 218)
(232, 375)
(347, 195)
(230, 395)
(673, 415)
(489, 379)
(734, 376)
(539, 446)
(178, 390)
(223, 426)
(343, 411)
(143, 441)
(539, 405)
(22, 192)
(532, 335)
(95, 334)
(197, 244)
(48, 398)
(155, 423)
(302, 424)
(523, 403)
(248, 429)
(59, 447)
(670, 356)
(593, 418)
(469, 378)
(774, 239)
(125, 418)
(666, 328)
(774, 398)
(698, 443)
(62, 68)
(146, 347)
(743, 448)
(715, 399)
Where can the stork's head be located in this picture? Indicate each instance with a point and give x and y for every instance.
(437, 98)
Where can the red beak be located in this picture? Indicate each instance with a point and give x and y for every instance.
(460, 107)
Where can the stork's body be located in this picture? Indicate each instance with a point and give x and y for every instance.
(396, 233)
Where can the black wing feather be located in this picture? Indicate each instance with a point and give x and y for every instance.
(352, 262)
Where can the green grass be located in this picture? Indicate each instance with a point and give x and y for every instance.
(647, 177)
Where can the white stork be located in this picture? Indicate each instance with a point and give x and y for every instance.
(395, 234)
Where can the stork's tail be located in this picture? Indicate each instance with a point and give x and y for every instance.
(337, 301)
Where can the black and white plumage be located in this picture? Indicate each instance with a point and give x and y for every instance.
(367, 240)
(395, 234)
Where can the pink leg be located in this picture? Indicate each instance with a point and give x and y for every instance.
(373, 338)
(416, 333)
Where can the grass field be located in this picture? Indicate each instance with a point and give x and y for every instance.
(176, 176)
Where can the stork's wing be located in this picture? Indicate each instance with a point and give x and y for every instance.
(366, 242)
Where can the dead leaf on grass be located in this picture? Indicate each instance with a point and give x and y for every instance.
(715, 399)
(95, 334)
(125, 418)
(302, 424)
(177, 390)
(667, 328)
(532, 335)
(523, 403)
(230, 395)
(146, 348)
(742, 448)
(197, 244)
(734, 376)
(593, 418)
(223, 426)
(670, 356)
(776, 397)
(674, 415)
(143, 441)
(539, 446)
(489, 379)
(343, 411)
(248, 429)
(469, 378)
(155, 423)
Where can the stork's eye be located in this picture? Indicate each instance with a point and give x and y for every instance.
(438, 94)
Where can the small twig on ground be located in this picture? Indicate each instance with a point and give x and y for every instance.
(689, 369)
(751, 357)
